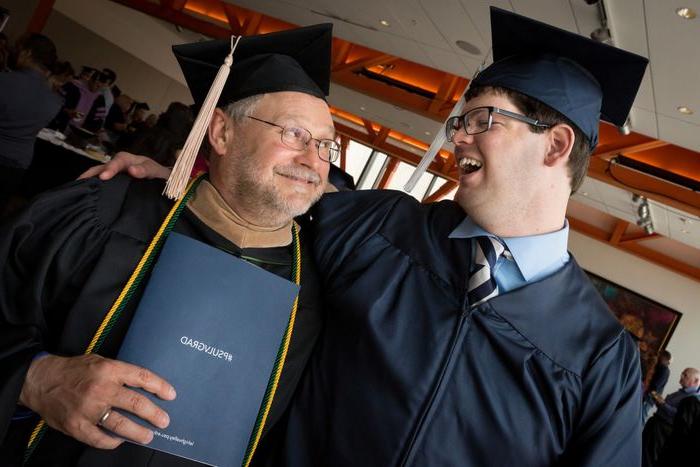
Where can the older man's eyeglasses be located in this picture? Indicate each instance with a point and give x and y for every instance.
(480, 120)
(299, 139)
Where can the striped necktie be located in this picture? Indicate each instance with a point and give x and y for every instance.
(482, 285)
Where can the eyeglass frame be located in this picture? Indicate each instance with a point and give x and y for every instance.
(506, 113)
(306, 144)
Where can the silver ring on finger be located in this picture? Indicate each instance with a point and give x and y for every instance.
(104, 417)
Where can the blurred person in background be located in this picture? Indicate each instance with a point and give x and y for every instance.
(657, 384)
(61, 73)
(166, 138)
(27, 104)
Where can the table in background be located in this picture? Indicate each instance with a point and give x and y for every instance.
(56, 163)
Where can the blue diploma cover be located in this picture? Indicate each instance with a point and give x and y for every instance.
(211, 324)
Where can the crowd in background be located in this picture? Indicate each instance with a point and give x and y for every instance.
(672, 423)
(37, 90)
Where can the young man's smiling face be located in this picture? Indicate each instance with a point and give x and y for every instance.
(499, 169)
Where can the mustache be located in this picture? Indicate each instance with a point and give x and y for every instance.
(302, 173)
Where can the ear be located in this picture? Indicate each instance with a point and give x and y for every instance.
(219, 132)
(560, 143)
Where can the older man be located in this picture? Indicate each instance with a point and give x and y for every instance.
(65, 259)
(659, 427)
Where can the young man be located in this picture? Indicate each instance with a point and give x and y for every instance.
(478, 341)
(66, 258)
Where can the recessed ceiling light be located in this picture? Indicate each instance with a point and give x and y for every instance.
(685, 231)
(468, 47)
(384, 22)
(363, 108)
(427, 133)
(584, 193)
(687, 13)
(685, 110)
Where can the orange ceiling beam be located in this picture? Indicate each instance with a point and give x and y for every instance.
(618, 232)
(341, 52)
(232, 18)
(634, 238)
(365, 62)
(40, 16)
(173, 4)
(647, 185)
(607, 155)
(177, 17)
(441, 192)
(344, 143)
(251, 25)
(388, 174)
(636, 249)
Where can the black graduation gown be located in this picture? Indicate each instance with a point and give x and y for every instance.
(406, 374)
(64, 261)
(683, 444)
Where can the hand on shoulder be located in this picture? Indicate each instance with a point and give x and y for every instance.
(135, 165)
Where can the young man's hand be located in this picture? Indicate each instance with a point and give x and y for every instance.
(135, 165)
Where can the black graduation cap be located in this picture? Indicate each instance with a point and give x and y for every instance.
(292, 60)
(583, 79)
(220, 72)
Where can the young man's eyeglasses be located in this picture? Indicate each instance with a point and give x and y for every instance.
(299, 139)
(480, 119)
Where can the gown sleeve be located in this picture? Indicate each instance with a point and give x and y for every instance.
(46, 252)
(610, 424)
(343, 221)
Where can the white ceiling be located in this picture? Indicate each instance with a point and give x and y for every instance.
(668, 221)
(425, 31)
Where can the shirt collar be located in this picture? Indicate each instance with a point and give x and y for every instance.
(532, 253)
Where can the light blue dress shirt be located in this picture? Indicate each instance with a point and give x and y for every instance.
(531, 258)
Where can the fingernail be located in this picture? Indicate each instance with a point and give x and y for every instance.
(172, 393)
(164, 420)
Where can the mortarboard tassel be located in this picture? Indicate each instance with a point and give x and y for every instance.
(440, 136)
(180, 175)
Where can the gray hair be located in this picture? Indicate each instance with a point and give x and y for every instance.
(236, 111)
(239, 110)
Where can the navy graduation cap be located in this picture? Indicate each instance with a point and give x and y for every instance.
(292, 60)
(582, 79)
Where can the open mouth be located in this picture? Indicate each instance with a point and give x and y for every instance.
(468, 165)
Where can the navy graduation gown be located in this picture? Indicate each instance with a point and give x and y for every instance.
(407, 374)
